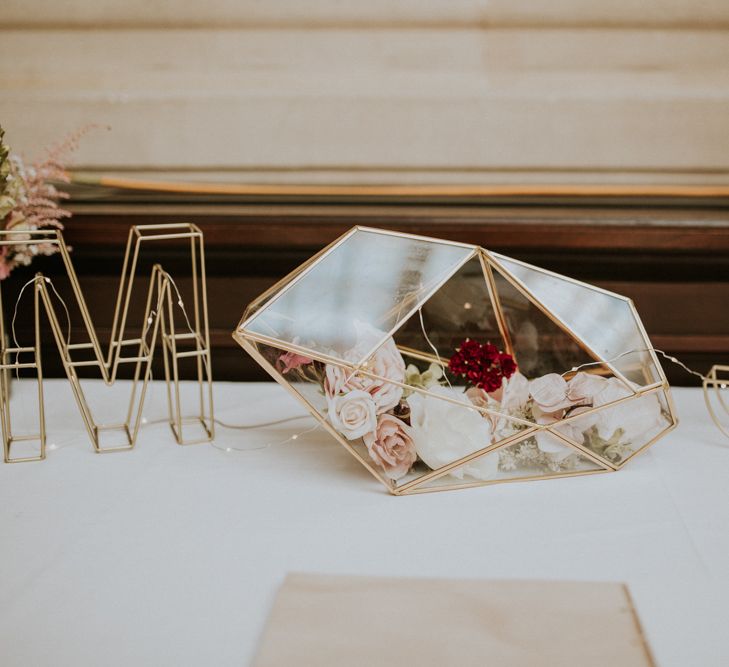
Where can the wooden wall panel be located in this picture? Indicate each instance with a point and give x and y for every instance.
(224, 13)
(469, 104)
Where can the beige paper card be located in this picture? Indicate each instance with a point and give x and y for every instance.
(337, 621)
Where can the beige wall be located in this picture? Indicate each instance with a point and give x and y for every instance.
(395, 91)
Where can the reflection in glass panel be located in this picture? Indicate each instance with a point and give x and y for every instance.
(540, 346)
(605, 323)
(356, 293)
(541, 455)
(460, 309)
(616, 432)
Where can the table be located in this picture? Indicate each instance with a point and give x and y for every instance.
(170, 555)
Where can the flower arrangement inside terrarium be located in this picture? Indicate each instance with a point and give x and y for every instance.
(437, 367)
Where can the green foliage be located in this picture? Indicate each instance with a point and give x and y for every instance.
(612, 449)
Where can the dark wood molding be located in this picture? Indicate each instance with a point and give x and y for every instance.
(679, 229)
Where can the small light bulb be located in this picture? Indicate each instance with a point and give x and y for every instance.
(467, 305)
(722, 386)
(53, 446)
(228, 449)
(294, 436)
(144, 420)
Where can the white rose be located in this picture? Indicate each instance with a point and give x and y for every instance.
(353, 414)
(444, 432)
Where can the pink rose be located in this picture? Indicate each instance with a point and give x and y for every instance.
(387, 363)
(291, 360)
(550, 393)
(391, 446)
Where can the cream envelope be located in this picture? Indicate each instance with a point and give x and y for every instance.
(333, 621)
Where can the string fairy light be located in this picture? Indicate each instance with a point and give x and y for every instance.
(665, 355)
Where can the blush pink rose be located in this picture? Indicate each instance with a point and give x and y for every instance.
(391, 446)
(291, 360)
(387, 363)
(583, 387)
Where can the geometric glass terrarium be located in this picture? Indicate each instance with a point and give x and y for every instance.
(441, 365)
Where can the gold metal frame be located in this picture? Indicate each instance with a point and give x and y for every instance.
(718, 383)
(250, 340)
(158, 321)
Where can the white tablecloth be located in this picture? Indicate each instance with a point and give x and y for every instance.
(171, 555)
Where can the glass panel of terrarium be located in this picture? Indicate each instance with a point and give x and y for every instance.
(538, 456)
(302, 374)
(460, 309)
(605, 322)
(349, 300)
(312, 381)
(541, 346)
(617, 431)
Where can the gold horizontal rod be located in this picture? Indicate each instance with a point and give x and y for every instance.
(546, 190)
(505, 480)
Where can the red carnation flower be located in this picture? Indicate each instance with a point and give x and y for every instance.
(482, 365)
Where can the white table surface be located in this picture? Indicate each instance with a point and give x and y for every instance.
(171, 555)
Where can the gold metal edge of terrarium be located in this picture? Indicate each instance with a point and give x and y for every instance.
(495, 301)
(291, 347)
(415, 237)
(490, 482)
